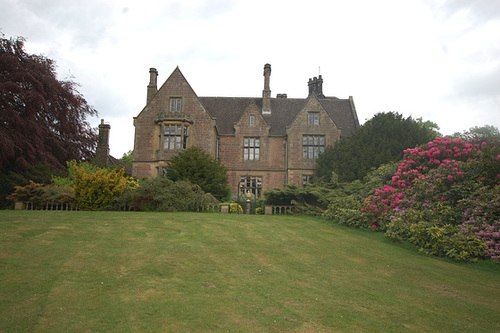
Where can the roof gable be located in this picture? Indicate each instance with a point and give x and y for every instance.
(175, 85)
(229, 110)
(343, 114)
(243, 124)
(313, 104)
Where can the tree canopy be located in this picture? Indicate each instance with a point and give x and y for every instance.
(127, 158)
(197, 167)
(43, 119)
(486, 132)
(380, 140)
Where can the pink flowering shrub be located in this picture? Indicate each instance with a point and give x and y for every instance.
(441, 153)
(379, 207)
(482, 218)
(435, 202)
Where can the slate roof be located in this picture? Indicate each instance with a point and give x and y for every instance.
(229, 110)
(119, 164)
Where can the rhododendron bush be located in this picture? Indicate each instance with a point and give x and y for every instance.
(445, 198)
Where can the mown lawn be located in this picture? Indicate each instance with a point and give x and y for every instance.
(193, 272)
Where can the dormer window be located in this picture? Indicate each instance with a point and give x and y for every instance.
(175, 104)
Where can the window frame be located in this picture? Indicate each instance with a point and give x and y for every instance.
(251, 148)
(174, 136)
(312, 146)
(175, 104)
(313, 118)
(306, 179)
(250, 183)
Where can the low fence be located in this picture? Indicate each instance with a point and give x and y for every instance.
(278, 210)
(268, 210)
(28, 205)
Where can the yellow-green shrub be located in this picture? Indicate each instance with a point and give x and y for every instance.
(235, 208)
(96, 190)
(26, 193)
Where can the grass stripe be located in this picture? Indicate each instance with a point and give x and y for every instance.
(129, 272)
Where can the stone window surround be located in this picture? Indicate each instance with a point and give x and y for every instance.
(175, 104)
(312, 146)
(174, 136)
(313, 118)
(251, 148)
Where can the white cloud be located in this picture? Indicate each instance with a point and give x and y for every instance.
(436, 60)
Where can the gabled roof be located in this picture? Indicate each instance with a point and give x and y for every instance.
(343, 114)
(119, 164)
(228, 110)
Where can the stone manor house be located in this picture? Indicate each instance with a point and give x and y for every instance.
(264, 142)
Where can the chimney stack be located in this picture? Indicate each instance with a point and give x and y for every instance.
(152, 88)
(266, 93)
(102, 150)
(316, 86)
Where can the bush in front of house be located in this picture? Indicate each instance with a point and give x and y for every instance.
(196, 166)
(347, 198)
(40, 196)
(161, 194)
(444, 198)
(97, 190)
(309, 200)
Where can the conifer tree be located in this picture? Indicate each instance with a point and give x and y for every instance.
(197, 167)
(380, 140)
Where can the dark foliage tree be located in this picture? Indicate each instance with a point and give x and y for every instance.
(42, 119)
(380, 140)
(197, 167)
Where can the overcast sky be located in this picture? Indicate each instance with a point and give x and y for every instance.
(439, 60)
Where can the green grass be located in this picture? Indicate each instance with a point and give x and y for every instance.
(193, 272)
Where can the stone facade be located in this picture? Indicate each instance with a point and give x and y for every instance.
(263, 142)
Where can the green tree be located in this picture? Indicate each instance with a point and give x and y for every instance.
(486, 132)
(127, 158)
(197, 167)
(380, 140)
(69, 178)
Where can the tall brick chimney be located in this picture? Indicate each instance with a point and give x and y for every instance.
(266, 93)
(102, 150)
(316, 86)
(153, 75)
